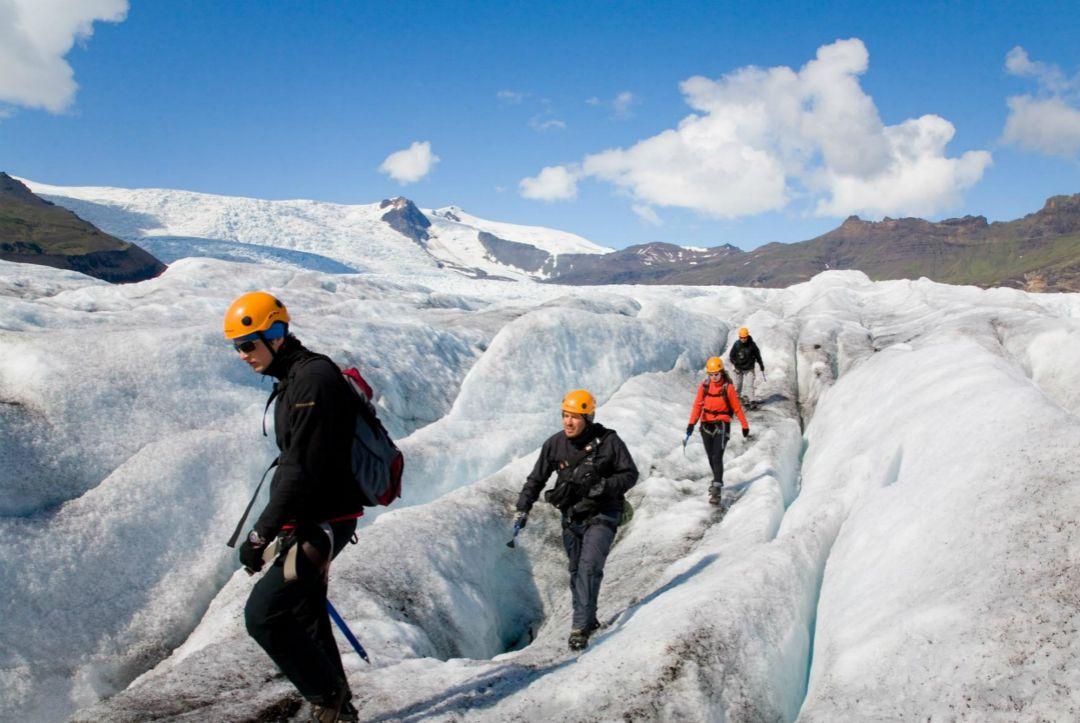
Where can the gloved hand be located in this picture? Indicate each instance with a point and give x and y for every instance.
(689, 429)
(598, 488)
(520, 519)
(251, 552)
(745, 432)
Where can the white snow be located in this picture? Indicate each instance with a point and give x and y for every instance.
(312, 235)
(903, 542)
(551, 240)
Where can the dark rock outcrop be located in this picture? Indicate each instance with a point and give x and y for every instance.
(513, 253)
(405, 218)
(35, 231)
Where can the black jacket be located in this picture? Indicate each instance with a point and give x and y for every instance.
(314, 421)
(753, 357)
(611, 462)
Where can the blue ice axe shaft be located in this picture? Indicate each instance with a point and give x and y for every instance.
(346, 632)
(517, 529)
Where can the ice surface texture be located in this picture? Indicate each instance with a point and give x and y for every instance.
(904, 543)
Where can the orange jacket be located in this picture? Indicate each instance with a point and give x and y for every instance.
(717, 404)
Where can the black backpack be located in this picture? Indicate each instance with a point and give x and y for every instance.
(377, 463)
(740, 354)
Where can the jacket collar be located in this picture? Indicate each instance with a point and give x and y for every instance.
(286, 357)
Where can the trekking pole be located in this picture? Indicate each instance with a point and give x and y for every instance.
(346, 632)
(517, 529)
(686, 439)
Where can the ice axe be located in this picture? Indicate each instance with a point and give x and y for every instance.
(517, 529)
(346, 632)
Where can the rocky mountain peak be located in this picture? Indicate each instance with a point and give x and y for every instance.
(404, 217)
(451, 213)
(13, 189)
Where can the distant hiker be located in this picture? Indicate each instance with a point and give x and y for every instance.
(743, 355)
(314, 503)
(715, 404)
(594, 472)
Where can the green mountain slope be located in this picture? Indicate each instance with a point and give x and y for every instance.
(35, 231)
(1040, 252)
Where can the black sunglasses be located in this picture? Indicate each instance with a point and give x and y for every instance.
(244, 347)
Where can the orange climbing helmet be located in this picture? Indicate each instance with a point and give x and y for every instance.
(253, 312)
(579, 401)
(743, 332)
(714, 365)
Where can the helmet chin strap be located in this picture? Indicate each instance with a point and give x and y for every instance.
(268, 345)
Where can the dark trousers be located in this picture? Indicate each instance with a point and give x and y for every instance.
(587, 545)
(288, 619)
(715, 436)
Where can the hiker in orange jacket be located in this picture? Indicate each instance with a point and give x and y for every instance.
(715, 404)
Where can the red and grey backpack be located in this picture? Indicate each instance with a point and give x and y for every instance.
(377, 463)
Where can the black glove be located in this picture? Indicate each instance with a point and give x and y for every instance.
(745, 432)
(520, 519)
(598, 488)
(251, 552)
(587, 480)
(689, 429)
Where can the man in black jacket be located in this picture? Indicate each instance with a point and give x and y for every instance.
(743, 356)
(594, 472)
(314, 503)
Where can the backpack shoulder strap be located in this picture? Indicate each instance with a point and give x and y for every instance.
(240, 524)
(585, 452)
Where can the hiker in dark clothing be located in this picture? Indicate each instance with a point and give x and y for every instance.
(313, 507)
(594, 472)
(743, 356)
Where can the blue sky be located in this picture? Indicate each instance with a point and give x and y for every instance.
(308, 99)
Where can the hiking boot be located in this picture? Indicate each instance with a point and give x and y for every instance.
(342, 711)
(714, 495)
(349, 713)
(325, 714)
(578, 639)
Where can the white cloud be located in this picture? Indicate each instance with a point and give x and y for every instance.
(511, 97)
(647, 214)
(542, 123)
(1049, 76)
(35, 35)
(621, 105)
(1047, 126)
(411, 164)
(1049, 122)
(760, 137)
(554, 183)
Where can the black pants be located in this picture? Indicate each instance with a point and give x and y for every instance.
(289, 619)
(715, 436)
(587, 545)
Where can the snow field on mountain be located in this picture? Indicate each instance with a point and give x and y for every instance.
(551, 240)
(300, 234)
(912, 553)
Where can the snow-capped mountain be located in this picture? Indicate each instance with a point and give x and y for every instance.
(392, 237)
(902, 542)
